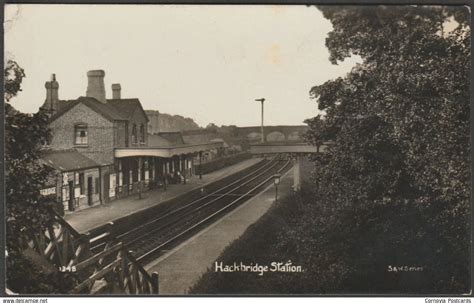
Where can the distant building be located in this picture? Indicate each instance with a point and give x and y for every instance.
(154, 125)
(100, 146)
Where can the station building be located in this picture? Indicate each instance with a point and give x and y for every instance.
(101, 149)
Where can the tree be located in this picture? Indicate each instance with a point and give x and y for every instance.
(13, 75)
(212, 126)
(394, 186)
(26, 209)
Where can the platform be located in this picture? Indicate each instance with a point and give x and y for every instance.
(87, 219)
(181, 268)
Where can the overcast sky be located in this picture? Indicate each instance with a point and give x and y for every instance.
(204, 62)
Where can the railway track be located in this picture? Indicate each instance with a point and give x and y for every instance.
(149, 239)
(123, 224)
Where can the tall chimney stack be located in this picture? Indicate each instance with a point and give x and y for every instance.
(95, 86)
(52, 99)
(116, 91)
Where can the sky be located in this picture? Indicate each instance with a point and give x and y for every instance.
(205, 62)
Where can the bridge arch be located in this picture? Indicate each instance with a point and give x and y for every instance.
(291, 132)
(294, 136)
(275, 136)
(254, 136)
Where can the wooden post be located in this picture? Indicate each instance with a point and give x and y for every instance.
(110, 225)
(200, 165)
(155, 283)
(140, 188)
(130, 273)
(184, 169)
(139, 168)
(165, 175)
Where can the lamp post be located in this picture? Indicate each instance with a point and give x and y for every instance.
(262, 100)
(276, 181)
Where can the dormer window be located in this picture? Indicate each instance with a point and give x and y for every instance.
(142, 133)
(80, 134)
(134, 134)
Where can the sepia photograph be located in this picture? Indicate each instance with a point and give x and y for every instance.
(236, 150)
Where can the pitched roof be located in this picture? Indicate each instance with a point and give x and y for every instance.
(63, 106)
(198, 138)
(127, 106)
(67, 160)
(174, 138)
(155, 140)
(105, 109)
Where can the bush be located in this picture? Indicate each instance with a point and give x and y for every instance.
(392, 191)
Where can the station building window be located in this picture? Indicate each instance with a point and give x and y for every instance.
(134, 134)
(142, 133)
(126, 135)
(80, 134)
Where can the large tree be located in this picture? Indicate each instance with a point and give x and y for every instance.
(27, 211)
(394, 185)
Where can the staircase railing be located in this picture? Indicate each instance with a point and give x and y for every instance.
(112, 270)
(115, 270)
(60, 244)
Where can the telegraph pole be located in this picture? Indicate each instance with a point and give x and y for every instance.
(262, 100)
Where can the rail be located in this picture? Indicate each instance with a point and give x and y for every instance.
(122, 225)
(102, 260)
(153, 252)
(188, 206)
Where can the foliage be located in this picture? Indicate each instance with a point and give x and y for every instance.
(211, 126)
(26, 209)
(13, 75)
(396, 179)
(266, 241)
(392, 190)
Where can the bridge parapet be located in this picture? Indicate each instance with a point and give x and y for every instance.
(287, 147)
(295, 148)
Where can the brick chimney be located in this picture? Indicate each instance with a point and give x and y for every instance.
(95, 85)
(52, 100)
(116, 91)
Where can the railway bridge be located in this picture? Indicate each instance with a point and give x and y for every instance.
(296, 149)
(273, 133)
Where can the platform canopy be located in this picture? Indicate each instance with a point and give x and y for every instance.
(67, 160)
(165, 152)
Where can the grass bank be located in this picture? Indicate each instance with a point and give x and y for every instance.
(271, 239)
